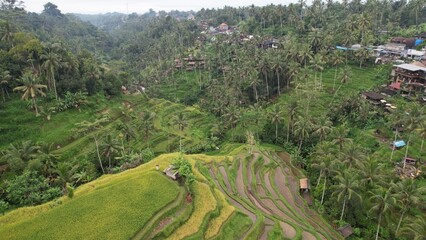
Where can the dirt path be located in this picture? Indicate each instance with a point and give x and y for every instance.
(225, 178)
(144, 231)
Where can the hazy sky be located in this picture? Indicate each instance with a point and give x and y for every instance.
(141, 6)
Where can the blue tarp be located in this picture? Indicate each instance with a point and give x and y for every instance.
(342, 48)
(399, 143)
(418, 42)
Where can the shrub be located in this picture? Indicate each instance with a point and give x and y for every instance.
(3, 206)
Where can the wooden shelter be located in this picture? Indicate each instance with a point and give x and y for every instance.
(346, 230)
(171, 172)
(373, 97)
(304, 184)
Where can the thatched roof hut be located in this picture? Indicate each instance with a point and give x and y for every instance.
(304, 183)
(346, 230)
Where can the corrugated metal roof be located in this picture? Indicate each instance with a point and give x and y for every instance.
(411, 67)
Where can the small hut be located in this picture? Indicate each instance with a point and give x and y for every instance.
(346, 230)
(171, 172)
(304, 184)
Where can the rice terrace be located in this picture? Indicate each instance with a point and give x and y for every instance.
(212, 120)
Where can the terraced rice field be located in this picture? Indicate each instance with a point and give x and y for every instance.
(246, 196)
(262, 195)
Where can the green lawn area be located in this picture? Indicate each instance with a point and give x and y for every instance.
(113, 211)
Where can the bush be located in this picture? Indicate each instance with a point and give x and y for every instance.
(3, 206)
(30, 189)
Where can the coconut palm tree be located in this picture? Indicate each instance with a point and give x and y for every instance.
(382, 203)
(7, 34)
(322, 127)
(4, 80)
(336, 60)
(416, 229)
(408, 194)
(346, 188)
(339, 135)
(293, 71)
(109, 147)
(412, 120)
(345, 76)
(326, 166)
(181, 122)
(352, 154)
(292, 111)
(277, 66)
(51, 63)
(302, 129)
(276, 117)
(30, 88)
(317, 64)
(371, 172)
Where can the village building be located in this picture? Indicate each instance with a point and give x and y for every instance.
(413, 76)
(373, 97)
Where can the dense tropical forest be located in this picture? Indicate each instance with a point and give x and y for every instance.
(243, 102)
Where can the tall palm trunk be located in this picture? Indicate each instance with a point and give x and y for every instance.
(323, 189)
(35, 105)
(406, 153)
(399, 222)
(335, 76)
(279, 87)
(288, 131)
(393, 144)
(378, 226)
(276, 132)
(343, 209)
(99, 155)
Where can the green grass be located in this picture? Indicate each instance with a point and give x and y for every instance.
(234, 227)
(115, 211)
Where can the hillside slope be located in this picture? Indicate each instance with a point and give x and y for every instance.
(255, 193)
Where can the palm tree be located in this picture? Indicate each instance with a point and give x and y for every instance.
(18, 156)
(339, 135)
(48, 158)
(408, 195)
(7, 34)
(147, 124)
(264, 68)
(371, 172)
(4, 80)
(318, 65)
(416, 229)
(292, 111)
(180, 121)
(412, 120)
(336, 60)
(345, 77)
(302, 128)
(352, 154)
(363, 23)
(326, 166)
(255, 82)
(322, 127)
(30, 88)
(276, 116)
(51, 62)
(346, 188)
(293, 72)
(277, 66)
(109, 147)
(383, 202)
(305, 53)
